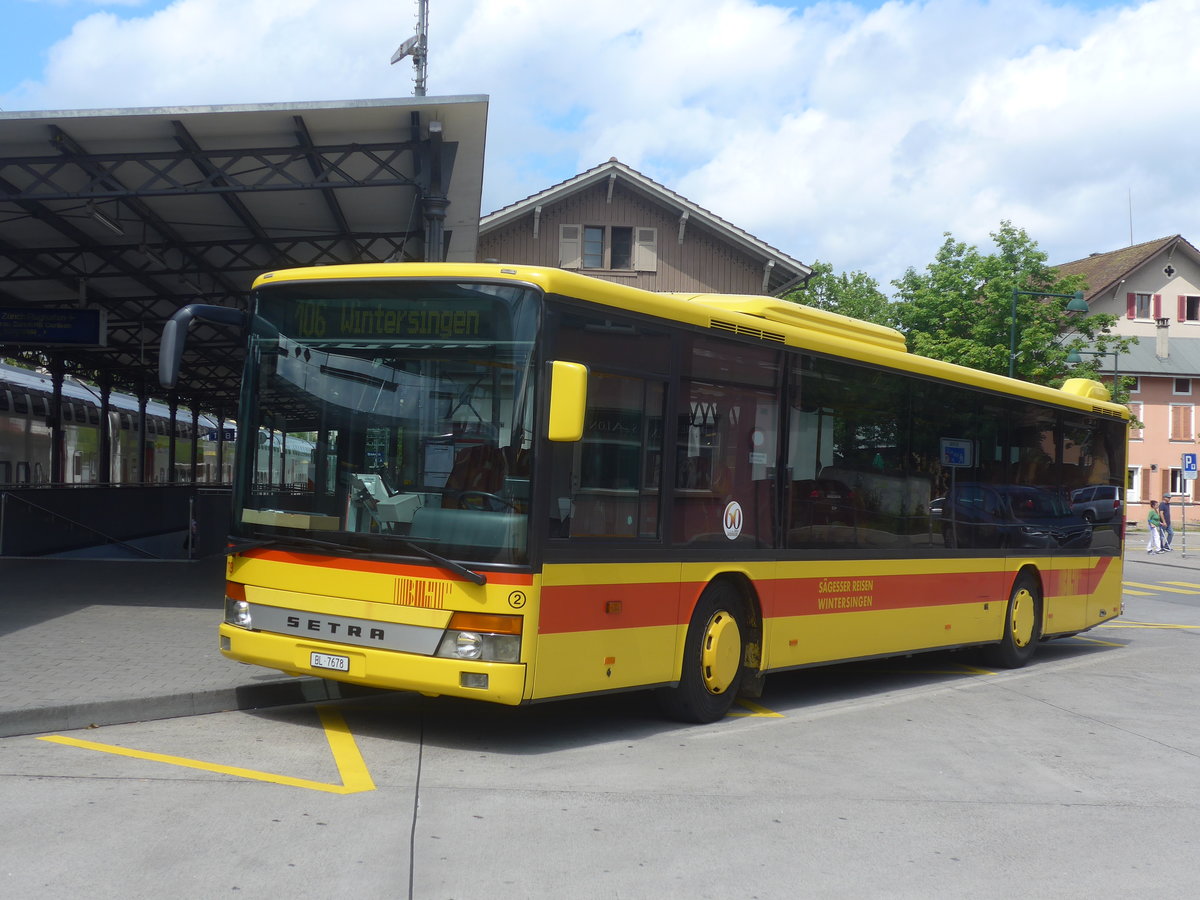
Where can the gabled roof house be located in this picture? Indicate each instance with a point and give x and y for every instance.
(613, 222)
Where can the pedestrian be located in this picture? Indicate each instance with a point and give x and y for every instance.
(1154, 523)
(1164, 510)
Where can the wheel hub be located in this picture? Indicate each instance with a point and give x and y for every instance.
(1022, 618)
(721, 652)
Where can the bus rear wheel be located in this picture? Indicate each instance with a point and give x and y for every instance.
(713, 658)
(1022, 625)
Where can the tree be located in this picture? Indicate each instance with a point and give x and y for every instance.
(960, 309)
(853, 294)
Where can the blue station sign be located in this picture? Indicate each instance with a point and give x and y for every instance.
(53, 327)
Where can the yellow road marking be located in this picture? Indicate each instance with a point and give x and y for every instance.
(1096, 641)
(1127, 624)
(962, 669)
(1160, 587)
(352, 769)
(1182, 584)
(754, 711)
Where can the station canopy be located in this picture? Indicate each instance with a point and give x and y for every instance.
(124, 216)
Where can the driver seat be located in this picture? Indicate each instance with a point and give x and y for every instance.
(481, 468)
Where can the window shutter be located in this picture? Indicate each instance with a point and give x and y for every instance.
(568, 246)
(1158, 306)
(1130, 305)
(645, 253)
(1136, 434)
(1181, 422)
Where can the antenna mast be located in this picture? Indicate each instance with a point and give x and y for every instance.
(417, 47)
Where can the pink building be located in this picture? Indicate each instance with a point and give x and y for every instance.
(1154, 290)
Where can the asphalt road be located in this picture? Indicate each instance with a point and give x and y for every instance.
(1077, 776)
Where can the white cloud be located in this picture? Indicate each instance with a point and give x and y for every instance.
(833, 131)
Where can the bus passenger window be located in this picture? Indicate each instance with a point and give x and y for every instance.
(608, 484)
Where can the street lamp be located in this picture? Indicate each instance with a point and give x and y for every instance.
(1077, 304)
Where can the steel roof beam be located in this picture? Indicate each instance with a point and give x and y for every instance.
(155, 174)
(73, 150)
(315, 163)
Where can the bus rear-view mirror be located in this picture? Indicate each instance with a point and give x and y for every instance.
(568, 398)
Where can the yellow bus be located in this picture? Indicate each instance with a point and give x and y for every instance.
(527, 484)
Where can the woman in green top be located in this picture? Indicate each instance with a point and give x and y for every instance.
(1154, 520)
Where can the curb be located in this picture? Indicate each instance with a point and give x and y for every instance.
(73, 716)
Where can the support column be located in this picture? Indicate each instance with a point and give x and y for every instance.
(105, 431)
(173, 426)
(434, 209)
(195, 436)
(220, 479)
(58, 442)
(142, 443)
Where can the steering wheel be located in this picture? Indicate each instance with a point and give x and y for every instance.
(485, 501)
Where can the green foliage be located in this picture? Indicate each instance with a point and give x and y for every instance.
(853, 294)
(960, 309)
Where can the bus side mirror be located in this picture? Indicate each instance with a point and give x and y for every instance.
(174, 336)
(568, 399)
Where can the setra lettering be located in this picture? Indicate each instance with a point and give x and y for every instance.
(341, 629)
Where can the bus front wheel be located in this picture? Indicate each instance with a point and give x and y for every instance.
(713, 658)
(1022, 625)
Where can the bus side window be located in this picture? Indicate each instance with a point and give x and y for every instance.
(616, 469)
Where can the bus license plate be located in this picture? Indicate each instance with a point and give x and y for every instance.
(325, 661)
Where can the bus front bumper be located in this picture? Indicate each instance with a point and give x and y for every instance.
(388, 669)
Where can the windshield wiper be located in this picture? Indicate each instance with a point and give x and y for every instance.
(295, 540)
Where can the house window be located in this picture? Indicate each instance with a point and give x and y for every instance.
(1134, 382)
(1183, 386)
(1141, 306)
(607, 247)
(1179, 484)
(1189, 309)
(1133, 481)
(1181, 422)
(621, 248)
(621, 251)
(593, 247)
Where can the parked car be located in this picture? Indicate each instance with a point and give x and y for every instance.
(1097, 502)
(1012, 516)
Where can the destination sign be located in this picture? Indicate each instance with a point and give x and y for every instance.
(393, 320)
(53, 327)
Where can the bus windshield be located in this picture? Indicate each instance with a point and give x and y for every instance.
(390, 417)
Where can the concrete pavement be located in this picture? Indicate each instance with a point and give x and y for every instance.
(99, 642)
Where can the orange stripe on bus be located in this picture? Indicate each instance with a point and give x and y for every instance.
(820, 596)
(568, 608)
(572, 608)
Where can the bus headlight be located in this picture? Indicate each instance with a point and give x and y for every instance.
(237, 610)
(468, 645)
(482, 638)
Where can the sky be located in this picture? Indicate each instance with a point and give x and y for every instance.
(854, 133)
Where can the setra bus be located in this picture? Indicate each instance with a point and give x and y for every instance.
(530, 484)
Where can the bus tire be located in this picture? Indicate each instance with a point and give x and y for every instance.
(713, 658)
(1022, 625)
